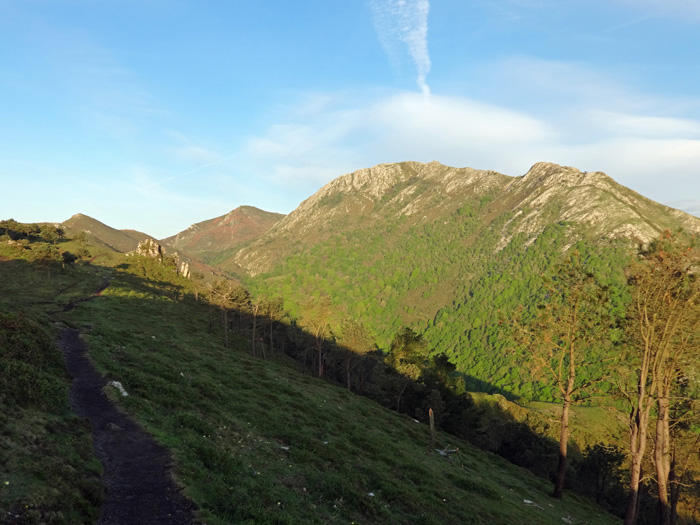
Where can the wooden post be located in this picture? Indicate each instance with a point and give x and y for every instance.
(432, 427)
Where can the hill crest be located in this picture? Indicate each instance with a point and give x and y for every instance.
(225, 232)
(412, 192)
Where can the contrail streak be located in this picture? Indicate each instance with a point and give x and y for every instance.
(182, 175)
(405, 22)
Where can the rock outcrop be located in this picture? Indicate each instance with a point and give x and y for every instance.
(149, 248)
(184, 269)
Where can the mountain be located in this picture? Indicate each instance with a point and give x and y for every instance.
(215, 238)
(117, 240)
(125, 241)
(416, 193)
(449, 252)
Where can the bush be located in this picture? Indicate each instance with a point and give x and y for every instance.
(31, 367)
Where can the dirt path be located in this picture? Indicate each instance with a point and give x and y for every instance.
(140, 489)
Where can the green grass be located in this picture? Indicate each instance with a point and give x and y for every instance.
(253, 441)
(48, 473)
(229, 419)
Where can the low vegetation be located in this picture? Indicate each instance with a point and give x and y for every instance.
(48, 472)
(261, 412)
(254, 440)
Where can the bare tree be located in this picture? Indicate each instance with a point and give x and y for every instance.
(227, 296)
(317, 323)
(664, 331)
(567, 342)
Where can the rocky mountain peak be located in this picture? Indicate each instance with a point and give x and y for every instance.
(549, 173)
(415, 192)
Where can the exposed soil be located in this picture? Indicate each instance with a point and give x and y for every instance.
(139, 486)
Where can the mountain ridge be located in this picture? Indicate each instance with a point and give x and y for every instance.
(127, 241)
(224, 233)
(424, 192)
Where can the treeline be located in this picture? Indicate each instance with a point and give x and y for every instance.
(389, 276)
(410, 378)
(41, 243)
(450, 280)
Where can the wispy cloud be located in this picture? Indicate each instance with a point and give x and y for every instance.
(684, 9)
(405, 22)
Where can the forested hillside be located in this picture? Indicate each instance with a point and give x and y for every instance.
(450, 253)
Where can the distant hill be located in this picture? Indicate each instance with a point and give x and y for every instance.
(447, 250)
(118, 240)
(217, 238)
(124, 241)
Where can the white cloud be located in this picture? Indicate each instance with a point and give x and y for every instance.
(192, 151)
(630, 125)
(648, 144)
(405, 22)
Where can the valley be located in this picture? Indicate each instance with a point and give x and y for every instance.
(294, 375)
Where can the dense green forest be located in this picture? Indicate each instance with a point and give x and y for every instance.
(395, 278)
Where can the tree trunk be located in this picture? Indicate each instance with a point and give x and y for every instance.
(319, 345)
(252, 339)
(272, 342)
(398, 398)
(563, 442)
(347, 368)
(638, 443)
(224, 313)
(662, 459)
(675, 489)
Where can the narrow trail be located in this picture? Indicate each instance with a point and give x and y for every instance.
(139, 486)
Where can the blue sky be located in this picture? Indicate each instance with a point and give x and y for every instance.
(155, 114)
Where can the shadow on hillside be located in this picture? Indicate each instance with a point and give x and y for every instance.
(269, 335)
(153, 289)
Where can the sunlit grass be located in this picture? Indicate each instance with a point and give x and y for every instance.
(255, 441)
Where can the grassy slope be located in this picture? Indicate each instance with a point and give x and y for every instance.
(227, 417)
(48, 473)
(118, 240)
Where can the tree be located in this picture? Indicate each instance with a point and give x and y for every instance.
(273, 310)
(664, 331)
(46, 255)
(81, 240)
(602, 468)
(227, 296)
(685, 442)
(197, 280)
(356, 341)
(408, 355)
(567, 340)
(318, 323)
(52, 233)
